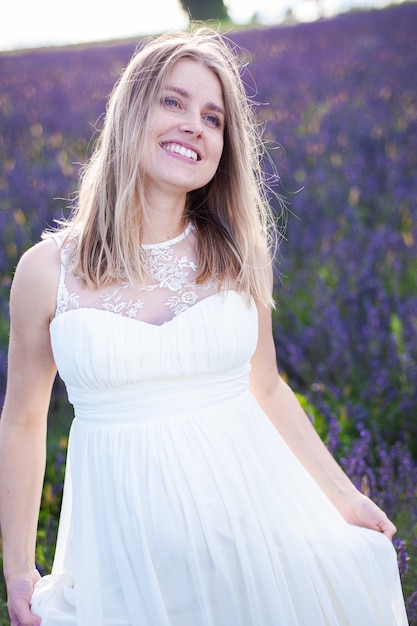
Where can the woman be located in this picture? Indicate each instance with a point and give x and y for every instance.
(197, 492)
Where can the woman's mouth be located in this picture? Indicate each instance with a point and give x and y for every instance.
(177, 148)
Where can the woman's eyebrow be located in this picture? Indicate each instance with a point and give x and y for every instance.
(186, 94)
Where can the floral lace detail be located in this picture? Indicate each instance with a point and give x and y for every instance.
(174, 274)
(171, 288)
(114, 303)
(66, 300)
(168, 270)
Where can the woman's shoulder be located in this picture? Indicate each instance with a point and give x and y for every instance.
(37, 275)
(39, 258)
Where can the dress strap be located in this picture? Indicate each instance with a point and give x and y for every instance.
(60, 296)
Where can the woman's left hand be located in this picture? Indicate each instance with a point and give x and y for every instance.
(361, 511)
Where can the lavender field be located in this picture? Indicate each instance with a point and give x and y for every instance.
(339, 102)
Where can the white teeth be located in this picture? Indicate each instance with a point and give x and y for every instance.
(175, 147)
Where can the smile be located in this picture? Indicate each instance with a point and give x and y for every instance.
(181, 150)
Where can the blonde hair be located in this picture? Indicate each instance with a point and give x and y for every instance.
(232, 216)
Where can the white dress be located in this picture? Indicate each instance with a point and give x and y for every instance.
(183, 506)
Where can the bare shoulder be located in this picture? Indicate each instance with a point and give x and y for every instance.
(36, 278)
(45, 251)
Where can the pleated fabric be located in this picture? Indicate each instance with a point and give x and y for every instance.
(182, 505)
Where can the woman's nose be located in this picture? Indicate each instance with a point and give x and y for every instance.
(192, 124)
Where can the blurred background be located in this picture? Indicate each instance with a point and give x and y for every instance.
(335, 89)
(27, 23)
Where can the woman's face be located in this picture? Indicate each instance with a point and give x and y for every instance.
(185, 140)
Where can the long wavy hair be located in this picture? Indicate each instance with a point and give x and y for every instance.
(232, 214)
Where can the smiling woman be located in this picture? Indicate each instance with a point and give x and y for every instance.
(197, 492)
(206, 112)
(185, 139)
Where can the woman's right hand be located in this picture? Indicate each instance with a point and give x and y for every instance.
(19, 592)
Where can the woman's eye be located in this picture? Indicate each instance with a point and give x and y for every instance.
(213, 120)
(171, 102)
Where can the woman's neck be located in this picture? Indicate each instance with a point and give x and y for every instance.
(163, 225)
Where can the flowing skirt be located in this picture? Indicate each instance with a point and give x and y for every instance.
(206, 518)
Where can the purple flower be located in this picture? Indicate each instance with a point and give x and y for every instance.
(402, 556)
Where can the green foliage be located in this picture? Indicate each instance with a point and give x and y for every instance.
(203, 10)
(407, 526)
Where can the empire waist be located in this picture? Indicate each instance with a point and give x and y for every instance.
(156, 399)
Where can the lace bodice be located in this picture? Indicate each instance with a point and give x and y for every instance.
(170, 290)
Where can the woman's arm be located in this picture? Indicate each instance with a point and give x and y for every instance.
(285, 412)
(31, 372)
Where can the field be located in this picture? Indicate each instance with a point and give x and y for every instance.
(338, 100)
